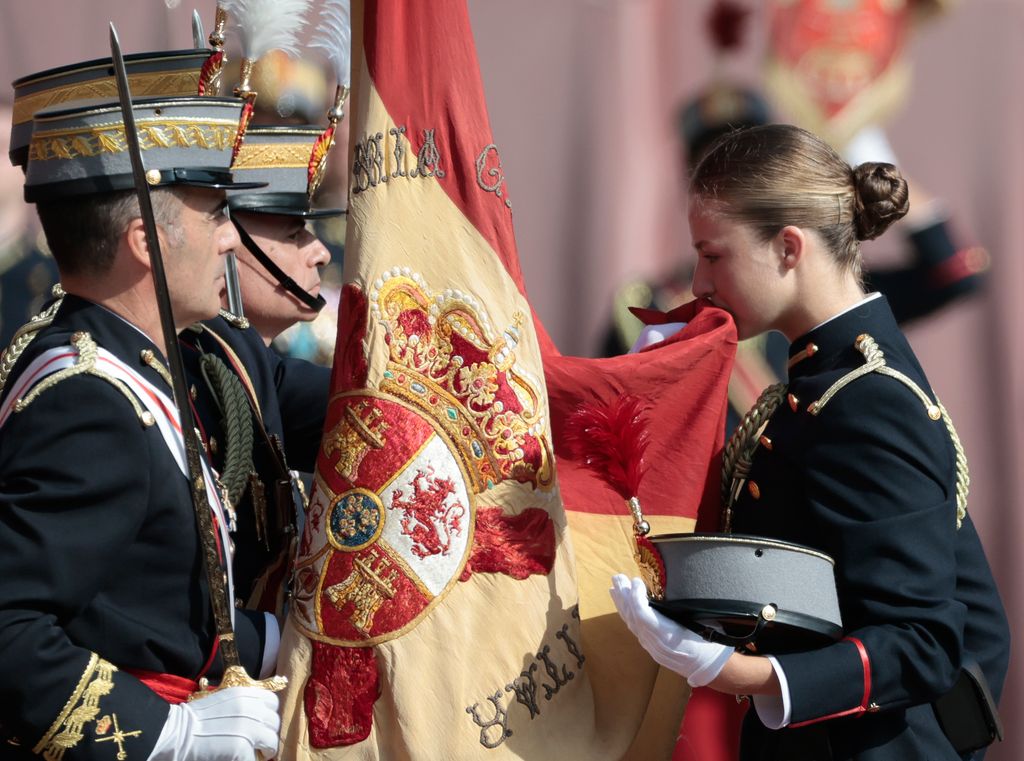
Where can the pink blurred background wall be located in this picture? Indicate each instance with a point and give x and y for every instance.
(582, 95)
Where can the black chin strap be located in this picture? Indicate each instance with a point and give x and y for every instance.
(313, 302)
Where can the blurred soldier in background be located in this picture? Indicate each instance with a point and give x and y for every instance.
(26, 272)
(936, 270)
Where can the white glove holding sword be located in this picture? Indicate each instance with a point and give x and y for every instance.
(233, 724)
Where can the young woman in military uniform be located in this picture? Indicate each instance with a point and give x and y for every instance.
(858, 459)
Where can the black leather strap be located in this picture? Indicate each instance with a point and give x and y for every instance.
(313, 302)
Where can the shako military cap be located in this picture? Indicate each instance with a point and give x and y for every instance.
(286, 159)
(158, 74)
(81, 149)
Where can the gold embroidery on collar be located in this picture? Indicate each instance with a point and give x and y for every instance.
(82, 707)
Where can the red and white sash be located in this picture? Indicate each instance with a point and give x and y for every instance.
(163, 409)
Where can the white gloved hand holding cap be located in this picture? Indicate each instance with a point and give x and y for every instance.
(673, 646)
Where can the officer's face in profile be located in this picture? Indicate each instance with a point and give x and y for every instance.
(299, 254)
(738, 272)
(194, 249)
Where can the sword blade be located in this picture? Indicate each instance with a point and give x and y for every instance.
(198, 33)
(215, 577)
(235, 305)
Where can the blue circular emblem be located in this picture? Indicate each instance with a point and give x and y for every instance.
(356, 520)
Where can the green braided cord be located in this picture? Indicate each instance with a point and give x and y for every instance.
(236, 420)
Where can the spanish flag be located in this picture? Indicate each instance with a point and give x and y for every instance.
(450, 597)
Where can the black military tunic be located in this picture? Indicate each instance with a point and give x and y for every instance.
(287, 399)
(869, 477)
(101, 570)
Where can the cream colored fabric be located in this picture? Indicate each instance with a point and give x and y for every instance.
(445, 677)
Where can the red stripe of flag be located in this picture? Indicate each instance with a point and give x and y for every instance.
(447, 97)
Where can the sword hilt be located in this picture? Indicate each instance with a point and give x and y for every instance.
(237, 676)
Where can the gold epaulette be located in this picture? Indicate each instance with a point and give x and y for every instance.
(26, 333)
(85, 364)
(874, 362)
(234, 320)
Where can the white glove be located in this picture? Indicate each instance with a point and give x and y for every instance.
(653, 334)
(234, 724)
(673, 646)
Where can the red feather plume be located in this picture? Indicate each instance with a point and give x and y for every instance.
(610, 439)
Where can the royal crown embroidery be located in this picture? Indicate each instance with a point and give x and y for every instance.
(446, 359)
(399, 511)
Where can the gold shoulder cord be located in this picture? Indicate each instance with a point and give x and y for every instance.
(740, 449)
(85, 364)
(743, 443)
(233, 319)
(875, 363)
(149, 358)
(26, 333)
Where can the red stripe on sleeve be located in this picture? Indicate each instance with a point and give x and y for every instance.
(865, 662)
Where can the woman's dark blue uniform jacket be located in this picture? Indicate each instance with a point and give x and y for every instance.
(871, 480)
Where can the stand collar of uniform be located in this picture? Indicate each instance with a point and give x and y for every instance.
(113, 332)
(822, 346)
